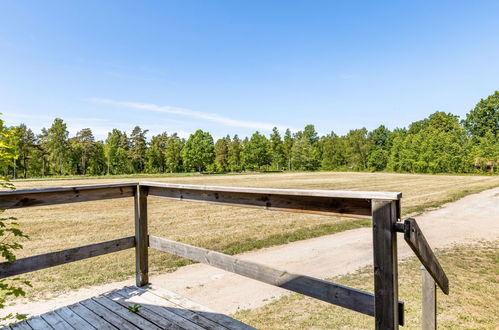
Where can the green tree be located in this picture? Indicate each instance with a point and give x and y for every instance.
(484, 117)
(305, 153)
(97, 161)
(155, 154)
(116, 150)
(277, 150)
(173, 153)
(288, 147)
(222, 154)
(43, 150)
(58, 145)
(256, 154)
(24, 142)
(138, 148)
(379, 148)
(438, 144)
(198, 152)
(234, 154)
(486, 151)
(84, 143)
(357, 149)
(10, 233)
(333, 152)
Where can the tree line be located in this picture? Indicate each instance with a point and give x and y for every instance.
(440, 143)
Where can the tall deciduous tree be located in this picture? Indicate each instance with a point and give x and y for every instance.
(484, 117)
(379, 148)
(57, 145)
(234, 154)
(155, 154)
(198, 152)
(256, 154)
(357, 149)
(116, 150)
(173, 153)
(24, 142)
(333, 152)
(222, 154)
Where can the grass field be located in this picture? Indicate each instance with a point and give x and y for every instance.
(223, 228)
(473, 273)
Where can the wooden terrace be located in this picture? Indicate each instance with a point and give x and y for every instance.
(147, 307)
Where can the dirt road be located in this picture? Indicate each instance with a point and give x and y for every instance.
(475, 217)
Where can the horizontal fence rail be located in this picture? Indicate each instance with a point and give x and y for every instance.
(336, 294)
(41, 261)
(12, 199)
(327, 202)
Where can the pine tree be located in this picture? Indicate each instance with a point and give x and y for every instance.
(277, 150)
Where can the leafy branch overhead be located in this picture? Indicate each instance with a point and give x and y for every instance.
(10, 234)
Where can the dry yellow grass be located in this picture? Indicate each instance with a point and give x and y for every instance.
(473, 273)
(222, 228)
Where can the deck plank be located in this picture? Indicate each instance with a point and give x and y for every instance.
(20, 326)
(185, 303)
(75, 320)
(159, 309)
(125, 314)
(38, 323)
(55, 321)
(164, 320)
(170, 310)
(96, 320)
(108, 315)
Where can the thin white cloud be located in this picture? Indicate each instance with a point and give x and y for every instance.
(192, 114)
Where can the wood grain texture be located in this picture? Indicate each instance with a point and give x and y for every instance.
(108, 315)
(185, 303)
(96, 320)
(52, 259)
(166, 308)
(387, 314)
(336, 294)
(429, 301)
(418, 243)
(60, 195)
(141, 238)
(56, 321)
(74, 319)
(340, 206)
(287, 192)
(154, 313)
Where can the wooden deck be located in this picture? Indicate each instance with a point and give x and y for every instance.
(157, 309)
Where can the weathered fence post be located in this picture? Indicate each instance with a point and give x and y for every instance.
(429, 301)
(141, 237)
(386, 311)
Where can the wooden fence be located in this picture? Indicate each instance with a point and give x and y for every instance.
(382, 207)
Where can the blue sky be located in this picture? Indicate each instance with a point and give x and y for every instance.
(240, 66)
